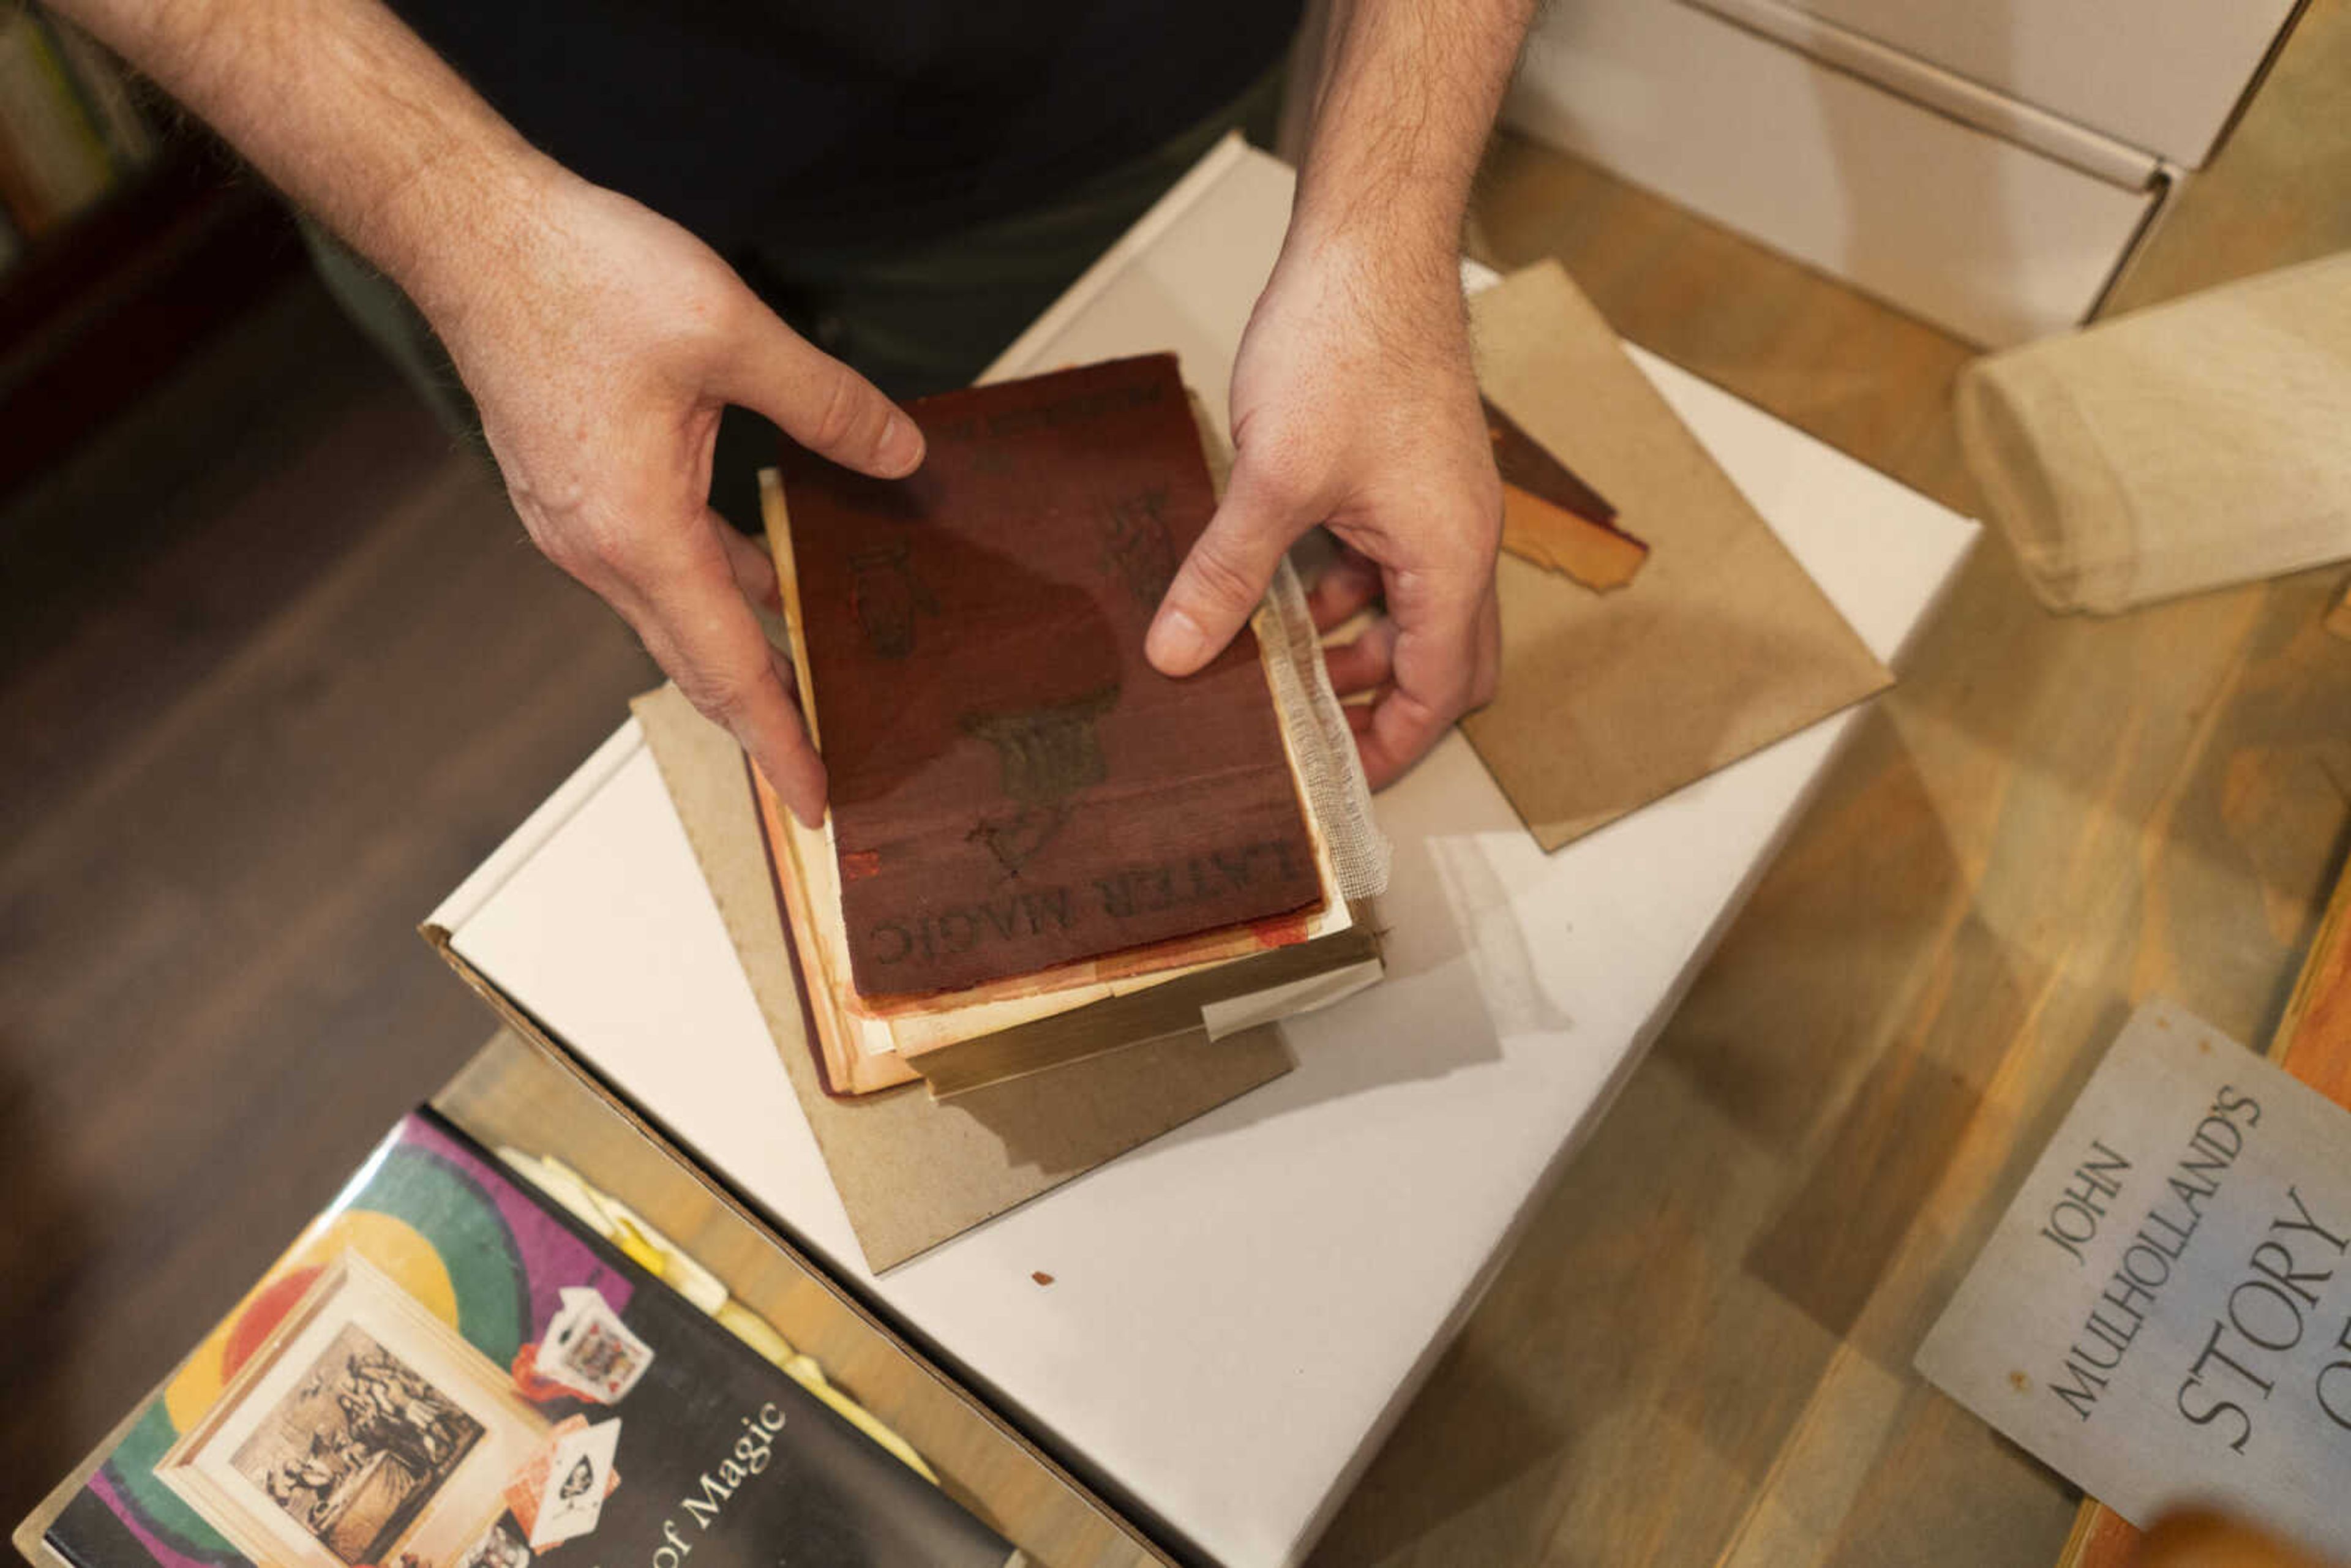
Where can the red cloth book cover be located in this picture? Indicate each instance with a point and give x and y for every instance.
(1012, 785)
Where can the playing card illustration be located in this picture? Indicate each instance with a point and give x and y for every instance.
(560, 1493)
(589, 1351)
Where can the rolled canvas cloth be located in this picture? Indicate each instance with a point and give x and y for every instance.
(2195, 445)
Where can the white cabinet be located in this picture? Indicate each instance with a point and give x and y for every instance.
(1908, 159)
(2163, 74)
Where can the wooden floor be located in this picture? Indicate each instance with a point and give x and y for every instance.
(276, 668)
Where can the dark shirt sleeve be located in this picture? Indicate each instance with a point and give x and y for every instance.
(851, 121)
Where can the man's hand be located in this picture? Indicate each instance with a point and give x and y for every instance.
(598, 340)
(600, 357)
(1353, 405)
(1353, 400)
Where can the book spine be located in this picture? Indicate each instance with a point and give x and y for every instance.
(56, 160)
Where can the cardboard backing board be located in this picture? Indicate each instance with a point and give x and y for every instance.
(913, 1171)
(1722, 645)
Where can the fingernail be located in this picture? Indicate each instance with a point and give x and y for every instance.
(801, 795)
(902, 446)
(809, 807)
(1175, 643)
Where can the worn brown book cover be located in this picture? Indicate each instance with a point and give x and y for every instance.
(1012, 785)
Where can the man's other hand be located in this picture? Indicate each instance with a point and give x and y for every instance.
(599, 354)
(1354, 406)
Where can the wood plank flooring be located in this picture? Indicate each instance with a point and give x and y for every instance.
(276, 668)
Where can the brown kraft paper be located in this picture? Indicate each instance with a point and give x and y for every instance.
(1721, 645)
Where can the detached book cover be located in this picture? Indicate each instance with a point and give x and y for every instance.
(446, 1371)
(2163, 1314)
(1013, 786)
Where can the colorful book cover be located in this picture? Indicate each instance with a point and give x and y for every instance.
(447, 1371)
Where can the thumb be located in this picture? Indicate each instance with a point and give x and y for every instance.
(1222, 580)
(820, 402)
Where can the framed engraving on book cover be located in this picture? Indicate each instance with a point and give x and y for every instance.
(363, 1430)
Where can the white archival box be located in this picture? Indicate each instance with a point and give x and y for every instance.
(1239, 1310)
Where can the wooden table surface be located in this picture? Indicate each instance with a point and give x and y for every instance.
(1701, 1353)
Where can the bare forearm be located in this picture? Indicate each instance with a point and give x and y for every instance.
(1354, 402)
(600, 340)
(1407, 94)
(345, 109)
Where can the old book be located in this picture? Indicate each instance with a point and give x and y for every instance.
(2160, 1313)
(1013, 787)
(1015, 1028)
(1225, 978)
(449, 1370)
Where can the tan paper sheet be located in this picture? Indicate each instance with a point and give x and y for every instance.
(1719, 647)
(913, 1171)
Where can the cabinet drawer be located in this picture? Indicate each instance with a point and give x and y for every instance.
(2163, 74)
(1988, 239)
